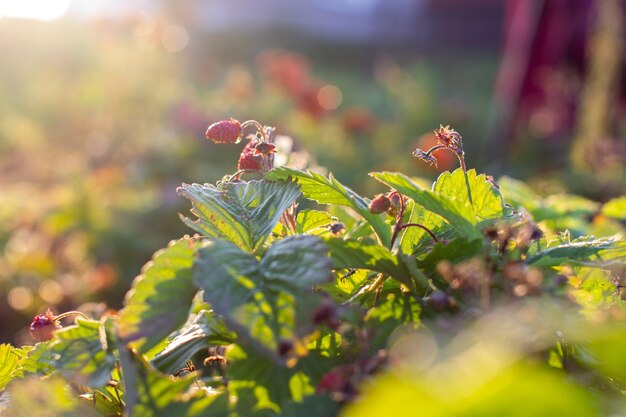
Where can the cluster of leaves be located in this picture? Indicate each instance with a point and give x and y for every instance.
(273, 310)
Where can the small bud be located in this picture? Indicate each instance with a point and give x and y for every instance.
(379, 204)
(225, 131)
(395, 204)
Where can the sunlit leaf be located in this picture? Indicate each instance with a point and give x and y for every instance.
(268, 301)
(456, 211)
(152, 394)
(204, 331)
(83, 353)
(324, 190)
(584, 251)
(50, 397)
(161, 296)
(365, 254)
(244, 212)
(248, 368)
(615, 208)
(413, 237)
(516, 391)
(486, 199)
(309, 220)
(9, 363)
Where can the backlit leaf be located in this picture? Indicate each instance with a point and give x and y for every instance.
(244, 212)
(324, 190)
(159, 301)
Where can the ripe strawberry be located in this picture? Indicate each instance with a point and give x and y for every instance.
(249, 161)
(379, 204)
(43, 326)
(225, 131)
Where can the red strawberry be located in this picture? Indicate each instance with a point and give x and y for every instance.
(249, 161)
(225, 131)
(379, 204)
(43, 326)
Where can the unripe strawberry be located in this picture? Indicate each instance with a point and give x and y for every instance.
(225, 131)
(379, 204)
(43, 326)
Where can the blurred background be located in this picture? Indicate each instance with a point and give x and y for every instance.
(104, 104)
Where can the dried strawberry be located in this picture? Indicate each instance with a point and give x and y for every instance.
(43, 326)
(225, 131)
(379, 204)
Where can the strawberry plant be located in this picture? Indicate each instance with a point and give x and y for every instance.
(459, 298)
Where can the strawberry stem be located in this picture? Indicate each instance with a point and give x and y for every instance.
(71, 313)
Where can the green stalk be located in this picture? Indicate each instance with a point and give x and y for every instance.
(464, 168)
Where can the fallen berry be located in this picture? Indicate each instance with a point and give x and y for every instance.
(225, 131)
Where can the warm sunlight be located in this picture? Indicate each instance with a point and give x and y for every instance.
(33, 9)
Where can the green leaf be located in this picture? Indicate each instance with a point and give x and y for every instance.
(9, 363)
(593, 288)
(454, 251)
(248, 368)
(486, 199)
(244, 212)
(152, 394)
(309, 220)
(267, 301)
(204, 331)
(324, 190)
(583, 251)
(83, 353)
(394, 309)
(366, 254)
(50, 397)
(615, 208)
(453, 211)
(103, 403)
(449, 198)
(37, 360)
(519, 194)
(161, 296)
(558, 211)
(517, 391)
(414, 237)
(312, 406)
